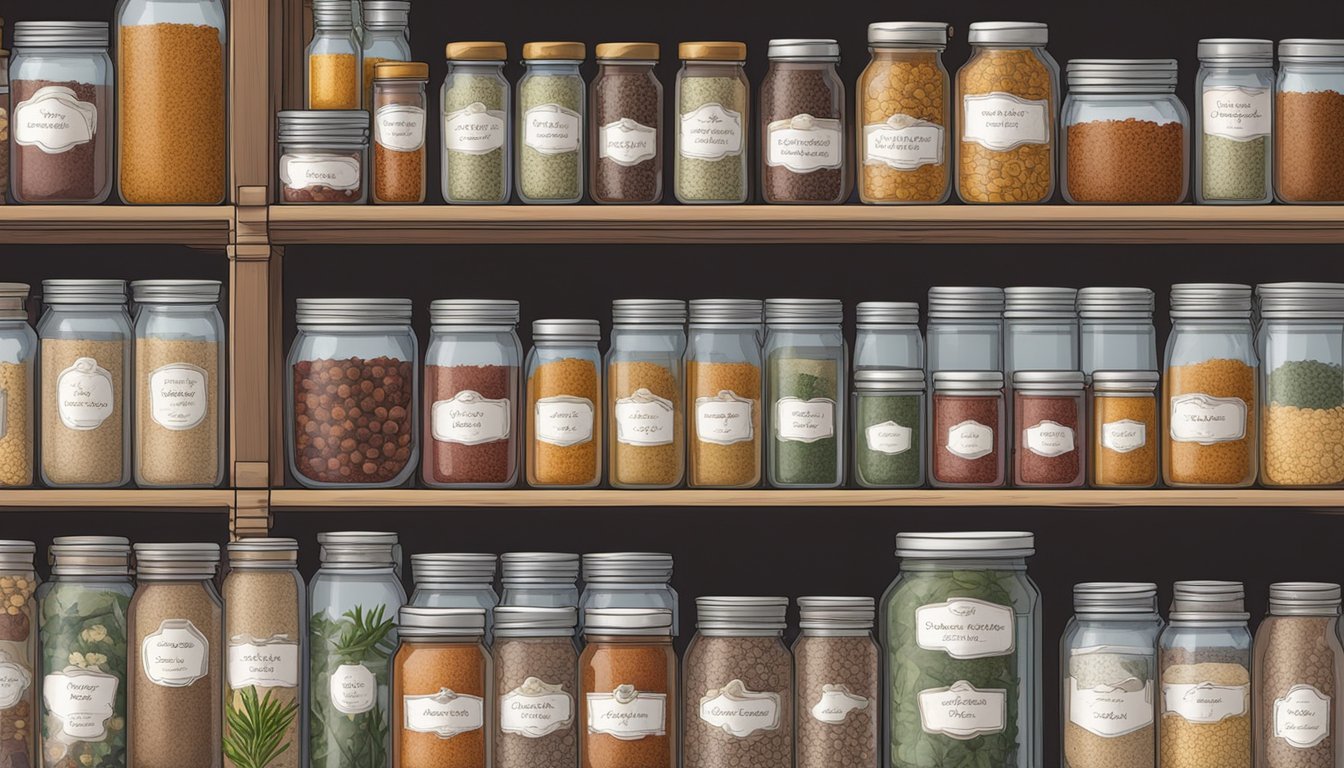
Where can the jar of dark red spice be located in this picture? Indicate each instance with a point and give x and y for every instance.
(472, 375)
(627, 104)
(1050, 429)
(968, 447)
(804, 158)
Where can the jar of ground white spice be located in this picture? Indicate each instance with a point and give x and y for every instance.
(627, 104)
(550, 124)
(86, 404)
(399, 126)
(443, 689)
(477, 125)
(332, 77)
(804, 154)
(20, 665)
(537, 687)
(564, 404)
(1308, 121)
(1117, 329)
(629, 580)
(324, 156)
(644, 392)
(837, 704)
(807, 363)
(723, 393)
(1125, 430)
(888, 336)
(628, 689)
(179, 356)
(1234, 122)
(965, 330)
(386, 37)
(539, 579)
(713, 124)
(456, 580)
(967, 445)
(18, 357)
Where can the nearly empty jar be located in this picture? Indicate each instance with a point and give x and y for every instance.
(324, 156)
(804, 158)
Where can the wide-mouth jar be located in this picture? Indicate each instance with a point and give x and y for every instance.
(713, 137)
(644, 391)
(724, 391)
(838, 683)
(456, 580)
(1308, 118)
(628, 684)
(552, 111)
(967, 446)
(540, 579)
(536, 679)
(18, 358)
(324, 156)
(1126, 424)
(21, 665)
(564, 413)
(476, 107)
(805, 158)
(1117, 329)
(889, 428)
(443, 683)
(627, 135)
(965, 329)
(1234, 122)
(807, 363)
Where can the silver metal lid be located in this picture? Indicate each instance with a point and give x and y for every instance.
(84, 291)
(60, 34)
(1210, 300)
(358, 548)
(785, 311)
(582, 331)
(263, 553)
(322, 126)
(1236, 52)
(966, 544)
(627, 621)
(1008, 33)
(836, 613)
(889, 380)
(14, 301)
(474, 312)
(90, 556)
(1044, 302)
(454, 568)
(817, 49)
(539, 567)
(1115, 597)
(726, 311)
(967, 380)
(353, 311)
(386, 14)
(175, 291)
(880, 313)
(524, 621)
(648, 312)
(1304, 598)
(1116, 302)
(333, 14)
(627, 567)
(1304, 50)
(1300, 300)
(414, 621)
(747, 614)
(17, 555)
(965, 302)
(1122, 75)
(909, 34)
(194, 560)
(1048, 381)
(1209, 602)
(1124, 381)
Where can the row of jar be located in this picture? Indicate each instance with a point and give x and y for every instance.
(101, 394)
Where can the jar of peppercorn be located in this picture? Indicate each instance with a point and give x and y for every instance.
(352, 376)
(967, 445)
(1050, 429)
(803, 153)
(627, 104)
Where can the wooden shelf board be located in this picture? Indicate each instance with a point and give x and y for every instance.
(200, 225)
(210, 500)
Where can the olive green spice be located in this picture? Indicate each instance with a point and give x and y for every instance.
(799, 462)
(1234, 170)
(547, 174)
(721, 180)
(1307, 384)
(887, 441)
(472, 175)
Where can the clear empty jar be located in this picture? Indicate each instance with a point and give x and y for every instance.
(1049, 429)
(455, 580)
(967, 447)
(723, 387)
(644, 390)
(564, 412)
(1040, 330)
(1308, 120)
(965, 331)
(837, 663)
(18, 357)
(551, 115)
(324, 156)
(807, 362)
(713, 109)
(1117, 329)
(477, 125)
(804, 157)
(629, 580)
(1234, 122)
(888, 336)
(540, 579)
(386, 37)
(334, 73)
(1126, 429)
(889, 431)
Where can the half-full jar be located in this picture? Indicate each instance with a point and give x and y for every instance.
(804, 156)
(551, 114)
(889, 442)
(967, 446)
(86, 403)
(564, 411)
(473, 388)
(723, 386)
(20, 664)
(627, 100)
(18, 356)
(1040, 330)
(386, 37)
(1209, 388)
(477, 125)
(399, 123)
(536, 667)
(1126, 133)
(61, 89)
(1125, 429)
(628, 685)
(644, 389)
(1234, 122)
(540, 579)
(838, 690)
(352, 412)
(456, 580)
(332, 77)
(713, 109)
(324, 156)
(1050, 429)
(1117, 329)
(629, 580)
(179, 359)
(1308, 118)
(965, 330)
(807, 361)
(443, 713)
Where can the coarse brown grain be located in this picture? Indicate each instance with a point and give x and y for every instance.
(265, 605)
(1024, 174)
(633, 464)
(1308, 151)
(179, 457)
(950, 411)
(352, 419)
(4, 151)
(713, 465)
(626, 92)
(1226, 743)
(1295, 651)
(460, 463)
(398, 174)
(830, 663)
(83, 457)
(553, 661)
(426, 669)
(78, 174)
(549, 464)
(788, 91)
(647, 666)
(1136, 468)
(16, 439)
(333, 81)
(1230, 462)
(761, 665)
(1125, 161)
(1066, 470)
(914, 84)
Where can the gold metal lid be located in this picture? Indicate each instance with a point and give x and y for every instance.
(401, 70)
(713, 50)
(628, 51)
(477, 50)
(553, 50)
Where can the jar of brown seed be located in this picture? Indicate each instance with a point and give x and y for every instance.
(536, 681)
(804, 157)
(837, 696)
(627, 104)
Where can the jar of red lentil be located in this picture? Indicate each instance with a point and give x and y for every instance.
(644, 391)
(564, 411)
(967, 446)
(803, 154)
(628, 689)
(1125, 429)
(1050, 429)
(1308, 121)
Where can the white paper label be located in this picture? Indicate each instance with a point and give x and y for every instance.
(963, 711)
(965, 628)
(1302, 717)
(467, 418)
(179, 396)
(970, 440)
(399, 127)
(804, 143)
(175, 656)
(627, 714)
(836, 703)
(1116, 709)
(723, 419)
(711, 132)
(84, 396)
(353, 689)
(14, 681)
(1205, 702)
(645, 419)
(1049, 439)
(272, 663)
(1002, 121)
(474, 130)
(1200, 418)
(82, 700)
(54, 120)
(626, 142)
(306, 171)
(535, 709)
(1237, 113)
(903, 143)
(1124, 436)
(889, 438)
(552, 130)
(564, 420)
(444, 714)
(739, 711)
(804, 421)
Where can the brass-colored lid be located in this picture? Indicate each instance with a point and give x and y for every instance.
(477, 50)
(553, 50)
(401, 70)
(628, 51)
(713, 50)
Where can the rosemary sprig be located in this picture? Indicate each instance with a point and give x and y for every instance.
(256, 732)
(363, 633)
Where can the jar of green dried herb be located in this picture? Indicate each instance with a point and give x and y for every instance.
(889, 428)
(477, 153)
(1234, 122)
(806, 363)
(713, 98)
(551, 105)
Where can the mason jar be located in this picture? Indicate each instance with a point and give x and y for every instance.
(21, 666)
(1040, 330)
(399, 125)
(564, 413)
(477, 162)
(386, 37)
(723, 386)
(539, 579)
(627, 136)
(965, 331)
(443, 712)
(1117, 329)
(323, 156)
(1234, 122)
(334, 75)
(888, 336)
(456, 580)
(804, 157)
(352, 375)
(889, 428)
(713, 135)
(18, 358)
(628, 702)
(1309, 99)
(551, 115)
(536, 665)
(646, 447)
(1049, 429)
(967, 447)
(629, 580)
(807, 361)
(838, 686)
(1125, 430)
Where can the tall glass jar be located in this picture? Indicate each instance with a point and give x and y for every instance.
(332, 79)
(537, 684)
(323, 156)
(61, 68)
(399, 125)
(965, 330)
(1117, 330)
(20, 665)
(354, 597)
(353, 382)
(85, 649)
(444, 686)
(86, 404)
(477, 125)
(456, 580)
(888, 336)
(1234, 122)
(1049, 429)
(904, 145)
(628, 685)
(629, 580)
(627, 137)
(540, 579)
(1308, 115)
(551, 114)
(387, 37)
(723, 385)
(4, 123)
(18, 357)
(564, 412)
(1040, 330)
(889, 430)
(838, 684)
(644, 390)
(172, 145)
(1209, 387)
(967, 445)
(804, 157)
(962, 634)
(1125, 428)
(808, 361)
(713, 109)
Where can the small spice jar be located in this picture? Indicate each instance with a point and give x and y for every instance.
(1050, 424)
(903, 98)
(889, 428)
(564, 395)
(61, 89)
(86, 355)
(888, 336)
(444, 689)
(20, 664)
(399, 132)
(473, 378)
(1308, 120)
(332, 79)
(477, 137)
(1007, 102)
(804, 157)
(967, 443)
(551, 114)
(807, 361)
(1040, 327)
(1209, 388)
(1124, 429)
(837, 662)
(1126, 133)
(1117, 329)
(723, 385)
(629, 580)
(18, 352)
(1234, 123)
(965, 331)
(627, 99)
(540, 579)
(713, 121)
(644, 390)
(628, 682)
(324, 156)
(456, 580)
(386, 36)
(176, 624)
(536, 681)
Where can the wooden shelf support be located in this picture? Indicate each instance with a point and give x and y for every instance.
(250, 516)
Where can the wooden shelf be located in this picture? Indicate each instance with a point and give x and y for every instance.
(202, 225)
(211, 500)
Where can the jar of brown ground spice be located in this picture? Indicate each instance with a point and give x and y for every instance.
(1308, 121)
(724, 393)
(837, 663)
(536, 687)
(564, 404)
(1125, 430)
(627, 104)
(443, 690)
(399, 131)
(628, 689)
(644, 389)
(1050, 429)
(967, 437)
(804, 154)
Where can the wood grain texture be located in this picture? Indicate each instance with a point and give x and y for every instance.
(250, 341)
(217, 500)
(200, 225)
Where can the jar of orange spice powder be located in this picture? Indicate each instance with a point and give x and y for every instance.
(442, 685)
(628, 677)
(1125, 435)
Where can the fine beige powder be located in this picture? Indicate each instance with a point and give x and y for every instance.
(178, 457)
(82, 456)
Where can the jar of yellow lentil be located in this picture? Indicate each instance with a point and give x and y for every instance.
(333, 77)
(645, 445)
(1124, 429)
(564, 411)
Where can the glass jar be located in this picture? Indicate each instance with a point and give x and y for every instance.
(1234, 123)
(627, 99)
(1126, 133)
(629, 580)
(1308, 116)
(807, 358)
(477, 135)
(445, 689)
(1009, 72)
(1204, 657)
(540, 579)
(346, 353)
(644, 390)
(628, 686)
(179, 356)
(324, 156)
(903, 140)
(1209, 385)
(176, 622)
(1050, 428)
(804, 158)
(551, 114)
(473, 373)
(888, 336)
(61, 89)
(838, 666)
(4, 121)
(332, 78)
(386, 37)
(20, 664)
(172, 126)
(18, 352)
(965, 329)
(1125, 429)
(399, 131)
(723, 381)
(536, 679)
(1117, 329)
(354, 596)
(889, 432)
(1108, 667)
(962, 628)
(967, 446)
(1301, 342)
(564, 395)
(86, 355)
(1040, 330)
(714, 116)
(737, 681)
(456, 580)
(85, 650)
